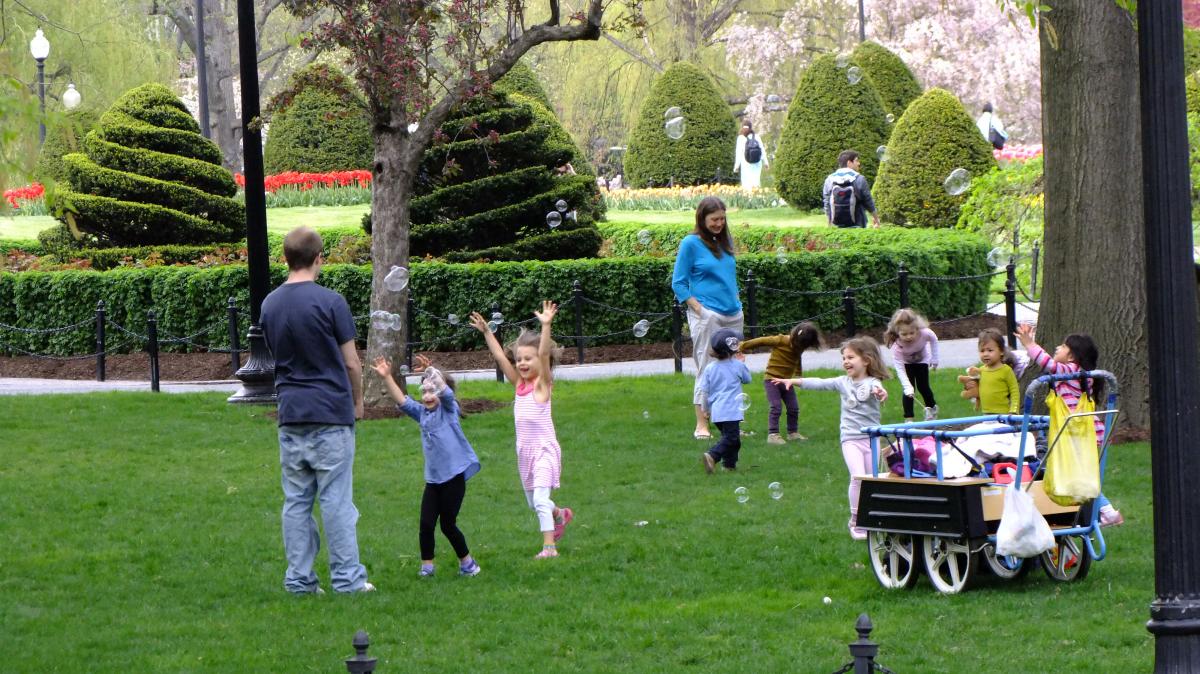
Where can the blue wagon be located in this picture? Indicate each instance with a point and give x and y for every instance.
(947, 526)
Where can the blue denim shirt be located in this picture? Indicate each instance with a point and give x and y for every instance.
(722, 382)
(447, 452)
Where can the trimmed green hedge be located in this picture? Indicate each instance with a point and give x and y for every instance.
(707, 144)
(317, 133)
(893, 81)
(520, 79)
(190, 299)
(65, 137)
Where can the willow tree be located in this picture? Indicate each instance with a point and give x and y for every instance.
(418, 60)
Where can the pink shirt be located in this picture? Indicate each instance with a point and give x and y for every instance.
(923, 349)
(539, 458)
(1070, 390)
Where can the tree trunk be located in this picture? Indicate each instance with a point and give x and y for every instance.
(1095, 271)
(391, 188)
(223, 117)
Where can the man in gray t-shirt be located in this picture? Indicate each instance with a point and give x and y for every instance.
(318, 376)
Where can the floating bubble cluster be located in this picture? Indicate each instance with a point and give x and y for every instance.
(842, 60)
(561, 205)
(742, 494)
(743, 402)
(396, 279)
(776, 490)
(641, 328)
(554, 219)
(854, 75)
(957, 182)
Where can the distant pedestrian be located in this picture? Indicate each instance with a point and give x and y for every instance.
(318, 377)
(749, 158)
(991, 127)
(846, 194)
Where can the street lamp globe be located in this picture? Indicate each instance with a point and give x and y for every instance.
(39, 46)
(71, 97)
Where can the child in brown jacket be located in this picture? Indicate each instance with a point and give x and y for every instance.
(784, 363)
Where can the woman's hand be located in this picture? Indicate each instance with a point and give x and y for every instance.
(546, 315)
(422, 363)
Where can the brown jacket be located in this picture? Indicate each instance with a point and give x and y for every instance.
(784, 363)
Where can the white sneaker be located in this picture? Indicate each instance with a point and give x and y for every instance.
(367, 587)
(931, 413)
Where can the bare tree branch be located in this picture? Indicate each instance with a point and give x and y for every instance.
(634, 53)
(713, 22)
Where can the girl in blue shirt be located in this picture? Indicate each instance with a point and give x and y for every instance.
(449, 460)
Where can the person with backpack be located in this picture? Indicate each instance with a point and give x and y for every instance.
(846, 194)
(991, 127)
(749, 158)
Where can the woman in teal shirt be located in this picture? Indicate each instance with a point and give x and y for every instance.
(705, 279)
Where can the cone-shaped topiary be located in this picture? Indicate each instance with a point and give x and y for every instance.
(520, 79)
(147, 177)
(487, 185)
(893, 81)
(319, 124)
(63, 138)
(1192, 88)
(709, 132)
(829, 114)
(933, 138)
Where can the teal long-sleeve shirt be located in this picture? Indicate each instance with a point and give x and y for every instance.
(711, 280)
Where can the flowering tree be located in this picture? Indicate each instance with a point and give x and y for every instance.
(416, 61)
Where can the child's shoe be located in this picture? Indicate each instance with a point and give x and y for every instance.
(775, 439)
(565, 515)
(426, 571)
(547, 552)
(708, 462)
(931, 413)
(1110, 516)
(469, 568)
(796, 436)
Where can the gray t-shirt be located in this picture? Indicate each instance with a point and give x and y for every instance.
(305, 326)
(859, 405)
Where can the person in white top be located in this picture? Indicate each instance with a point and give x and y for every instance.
(989, 122)
(746, 150)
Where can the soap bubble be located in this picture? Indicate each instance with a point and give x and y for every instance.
(827, 601)
(842, 60)
(645, 414)
(553, 219)
(776, 490)
(644, 237)
(882, 153)
(380, 319)
(673, 112)
(396, 279)
(641, 328)
(891, 119)
(452, 319)
(403, 369)
(573, 216)
(675, 128)
(397, 322)
(854, 75)
(997, 258)
(561, 205)
(781, 255)
(743, 402)
(957, 182)
(773, 98)
(742, 494)
(493, 326)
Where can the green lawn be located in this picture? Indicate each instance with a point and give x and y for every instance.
(24, 226)
(141, 533)
(761, 216)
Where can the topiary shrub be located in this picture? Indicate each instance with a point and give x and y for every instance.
(1005, 201)
(1192, 88)
(520, 79)
(891, 78)
(318, 124)
(147, 177)
(1191, 50)
(827, 115)
(703, 153)
(934, 137)
(62, 138)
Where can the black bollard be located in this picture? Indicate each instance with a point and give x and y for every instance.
(902, 276)
(235, 351)
(100, 340)
(577, 298)
(864, 650)
(152, 348)
(1010, 302)
(752, 302)
(360, 663)
(848, 311)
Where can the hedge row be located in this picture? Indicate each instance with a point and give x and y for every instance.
(189, 299)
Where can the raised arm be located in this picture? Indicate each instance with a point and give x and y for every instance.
(546, 343)
(770, 341)
(383, 368)
(494, 347)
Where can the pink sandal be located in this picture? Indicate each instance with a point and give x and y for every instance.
(547, 552)
(559, 527)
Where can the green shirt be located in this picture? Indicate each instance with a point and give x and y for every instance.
(783, 362)
(998, 392)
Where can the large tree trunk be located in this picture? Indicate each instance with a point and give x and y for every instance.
(1095, 271)
(223, 116)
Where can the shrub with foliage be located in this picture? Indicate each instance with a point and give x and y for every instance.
(709, 135)
(147, 176)
(934, 137)
(1192, 89)
(891, 78)
(63, 138)
(520, 79)
(1008, 201)
(827, 115)
(318, 124)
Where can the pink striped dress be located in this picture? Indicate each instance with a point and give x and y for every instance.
(539, 458)
(1070, 390)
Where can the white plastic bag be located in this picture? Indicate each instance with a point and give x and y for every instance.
(1023, 531)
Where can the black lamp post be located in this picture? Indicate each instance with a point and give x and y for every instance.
(39, 46)
(258, 374)
(862, 22)
(1172, 338)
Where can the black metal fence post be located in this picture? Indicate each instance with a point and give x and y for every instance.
(152, 348)
(100, 340)
(1037, 249)
(360, 663)
(848, 310)
(1010, 302)
(235, 349)
(499, 337)
(411, 313)
(902, 276)
(577, 298)
(677, 334)
(752, 302)
(863, 650)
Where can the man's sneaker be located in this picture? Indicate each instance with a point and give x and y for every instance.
(796, 436)
(367, 587)
(775, 439)
(471, 568)
(708, 462)
(1111, 517)
(931, 413)
(567, 515)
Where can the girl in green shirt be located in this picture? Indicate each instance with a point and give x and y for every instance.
(998, 391)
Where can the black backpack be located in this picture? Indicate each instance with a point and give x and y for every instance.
(753, 152)
(843, 202)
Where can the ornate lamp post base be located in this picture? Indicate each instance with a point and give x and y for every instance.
(258, 374)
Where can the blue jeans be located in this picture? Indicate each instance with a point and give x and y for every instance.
(317, 462)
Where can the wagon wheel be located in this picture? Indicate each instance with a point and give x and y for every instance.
(949, 562)
(1004, 567)
(893, 559)
(1068, 560)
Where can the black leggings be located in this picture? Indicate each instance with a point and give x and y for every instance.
(443, 501)
(918, 374)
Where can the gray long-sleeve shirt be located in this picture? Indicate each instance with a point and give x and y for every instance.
(860, 407)
(862, 195)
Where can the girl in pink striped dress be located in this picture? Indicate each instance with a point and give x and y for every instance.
(539, 458)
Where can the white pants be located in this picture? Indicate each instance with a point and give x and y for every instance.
(538, 499)
(857, 454)
(702, 328)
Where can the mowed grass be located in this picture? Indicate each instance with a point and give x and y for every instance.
(773, 217)
(141, 533)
